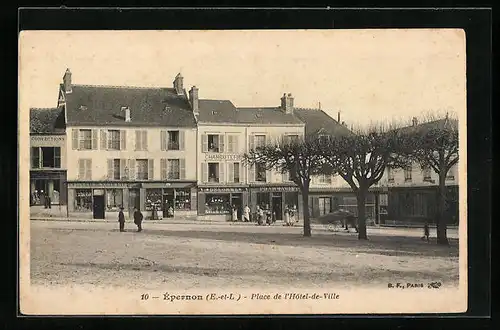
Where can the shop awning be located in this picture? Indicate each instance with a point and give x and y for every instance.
(175, 185)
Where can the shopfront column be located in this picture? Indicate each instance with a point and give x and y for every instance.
(142, 199)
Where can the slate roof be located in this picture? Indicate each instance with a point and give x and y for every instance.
(440, 123)
(101, 105)
(47, 120)
(318, 121)
(224, 111)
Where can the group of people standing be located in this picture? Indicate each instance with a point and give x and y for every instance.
(264, 215)
(138, 217)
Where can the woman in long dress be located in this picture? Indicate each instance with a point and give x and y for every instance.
(235, 213)
(246, 214)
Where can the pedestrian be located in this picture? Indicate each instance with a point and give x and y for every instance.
(260, 216)
(49, 201)
(235, 213)
(121, 219)
(286, 216)
(138, 219)
(246, 214)
(426, 232)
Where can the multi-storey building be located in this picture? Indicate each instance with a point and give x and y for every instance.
(47, 157)
(130, 147)
(413, 192)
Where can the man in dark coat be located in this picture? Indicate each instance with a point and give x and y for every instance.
(138, 219)
(121, 219)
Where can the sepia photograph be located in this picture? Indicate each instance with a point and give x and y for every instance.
(242, 172)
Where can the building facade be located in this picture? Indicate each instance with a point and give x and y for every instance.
(130, 147)
(47, 157)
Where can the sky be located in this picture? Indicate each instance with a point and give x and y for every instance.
(367, 75)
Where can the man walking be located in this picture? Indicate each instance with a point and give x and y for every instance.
(138, 219)
(121, 219)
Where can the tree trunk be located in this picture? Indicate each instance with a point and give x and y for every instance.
(441, 218)
(305, 211)
(361, 198)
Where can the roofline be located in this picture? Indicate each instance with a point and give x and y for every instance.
(122, 125)
(49, 108)
(48, 133)
(204, 123)
(121, 87)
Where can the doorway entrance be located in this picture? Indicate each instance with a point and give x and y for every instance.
(277, 208)
(98, 204)
(134, 200)
(168, 203)
(236, 201)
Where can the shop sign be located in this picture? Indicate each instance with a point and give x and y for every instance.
(220, 157)
(278, 189)
(98, 192)
(48, 138)
(223, 190)
(98, 184)
(86, 193)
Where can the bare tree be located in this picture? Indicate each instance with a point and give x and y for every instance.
(361, 159)
(299, 158)
(434, 144)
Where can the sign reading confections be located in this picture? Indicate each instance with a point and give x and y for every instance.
(46, 138)
(222, 157)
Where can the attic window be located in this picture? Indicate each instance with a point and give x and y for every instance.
(83, 107)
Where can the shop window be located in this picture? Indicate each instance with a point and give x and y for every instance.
(85, 139)
(114, 140)
(183, 199)
(213, 143)
(407, 172)
(260, 173)
(217, 204)
(173, 140)
(55, 193)
(114, 199)
(390, 174)
(153, 199)
(142, 169)
(83, 200)
(173, 172)
(426, 173)
(263, 200)
(213, 172)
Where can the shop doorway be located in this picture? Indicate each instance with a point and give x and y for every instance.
(236, 201)
(168, 203)
(134, 200)
(277, 201)
(98, 206)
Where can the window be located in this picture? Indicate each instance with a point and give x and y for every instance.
(259, 140)
(213, 172)
(173, 140)
(85, 169)
(141, 140)
(232, 144)
(173, 169)
(217, 204)
(142, 169)
(46, 157)
(263, 200)
(390, 174)
(325, 179)
(83, 200)
(450, 175)
(426, 173)
(260, 172)
(114, 199)
(213, 143)
(114, 140)
(236, 172)
(324, 205)
(35, 157)
(290, 138)
(182, 199)
(324, 138)
(85, 139)
(408, 174)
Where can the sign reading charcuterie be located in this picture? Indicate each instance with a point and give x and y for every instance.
(219, 157)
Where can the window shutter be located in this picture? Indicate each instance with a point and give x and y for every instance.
(221, 143)
(230, 143)
(163, 140)
(163, 169)
(123, 164)
(251, 139)
(75, 138)
(151, 169)
(110, 169)
(204, 172)
(88, 169)
(204, 143)
(131, 169)
(221, 173)
(230, 172)
(182, 169)
(123, 140)
(81, 169)
(104, 146)
(181, 140)
(251, 173)
(236, 147)
(145, 140)
(94, 139)
(137, 140)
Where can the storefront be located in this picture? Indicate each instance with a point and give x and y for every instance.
(276, 198)
(217, 203)
(51, 183)
(156, 200)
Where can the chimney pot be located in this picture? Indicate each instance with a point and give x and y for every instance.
(194, 100)
(179, 84)
(287, 103)
(67, 81)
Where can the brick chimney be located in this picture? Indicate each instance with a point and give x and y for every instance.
(414, 121)
(193, 99)
(338, 117)
(67, 81)
(287, 103)
(126, 110)
(179, 84)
